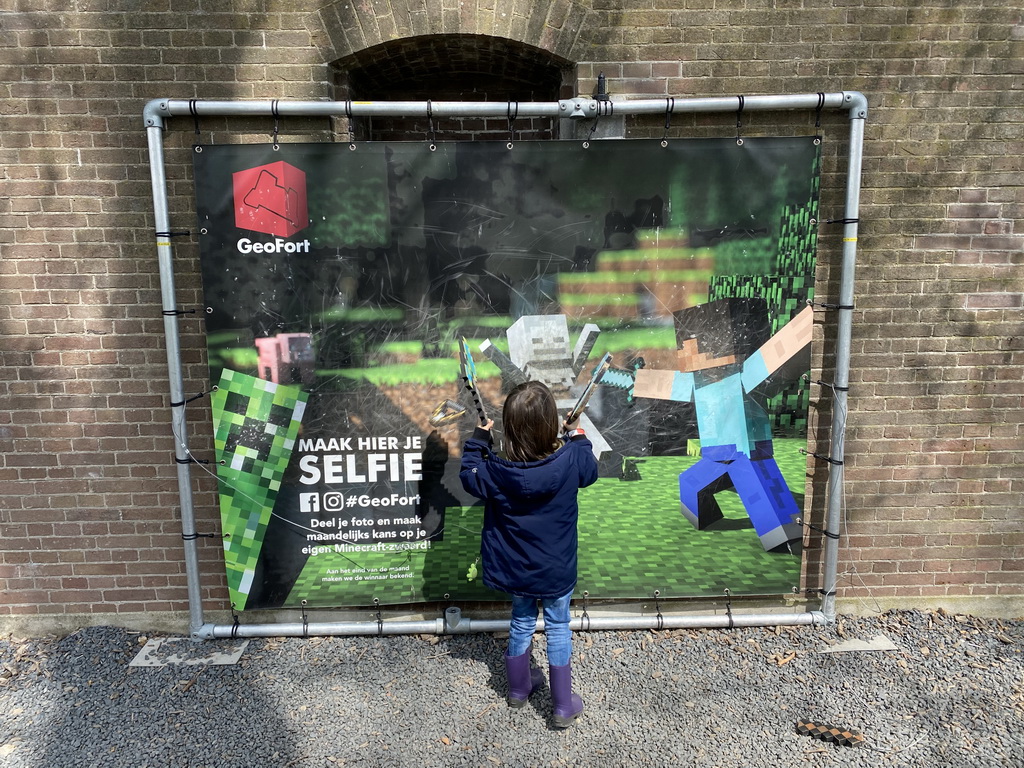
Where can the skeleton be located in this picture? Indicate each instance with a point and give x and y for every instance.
(539, 350)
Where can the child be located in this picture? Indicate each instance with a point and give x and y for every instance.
(528, 546)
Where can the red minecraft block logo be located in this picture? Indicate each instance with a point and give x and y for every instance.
(271, 199)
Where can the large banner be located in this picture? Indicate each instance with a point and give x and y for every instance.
(365, 303)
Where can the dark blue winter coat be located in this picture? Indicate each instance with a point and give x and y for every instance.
(528, 544)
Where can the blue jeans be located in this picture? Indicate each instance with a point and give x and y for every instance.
(556, 627)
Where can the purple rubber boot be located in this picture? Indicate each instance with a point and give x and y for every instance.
(568, 706)
(522, 679)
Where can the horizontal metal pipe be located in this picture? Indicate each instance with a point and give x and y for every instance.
(323, 628)
(446, 626)
(580, 107)
(731, 103)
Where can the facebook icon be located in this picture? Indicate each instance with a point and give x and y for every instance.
(309, 502)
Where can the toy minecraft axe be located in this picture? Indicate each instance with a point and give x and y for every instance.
(590, 389)
(468, 367)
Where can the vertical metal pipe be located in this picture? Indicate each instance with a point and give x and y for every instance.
(834, 513)
(154, 132)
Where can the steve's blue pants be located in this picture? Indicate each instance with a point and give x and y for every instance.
(760, 485)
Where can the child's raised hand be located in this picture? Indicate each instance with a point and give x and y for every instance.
(488, 425)
(570, 427)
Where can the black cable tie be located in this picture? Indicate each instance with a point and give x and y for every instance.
(182, 233)
(827, 593)
(178, 312)
(657, 607)
(585, 617)
(191, 460)
(823, 532)
(594, 127)
(841, 221)
(348, 118)
(739, 114)
(822, 456)
(821, 383)
(670, 105)
(821, 104)
(194, 536)
(512, 115)
(195, 114)
(728, 608)
(830, 306)
(189, 400)
(380, 619)
(234, 622)
(277, 119)
(305, 619)
(430, 121)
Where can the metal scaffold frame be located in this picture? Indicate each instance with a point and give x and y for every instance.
(155, 115)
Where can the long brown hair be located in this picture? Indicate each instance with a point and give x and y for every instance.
(530, 422)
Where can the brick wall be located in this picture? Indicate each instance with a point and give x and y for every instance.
(89, 528)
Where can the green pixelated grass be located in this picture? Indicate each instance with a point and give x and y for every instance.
(633, 541)
(641, 276)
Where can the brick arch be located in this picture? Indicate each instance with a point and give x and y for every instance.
(454, 68)
(462, 68)
(344, 28)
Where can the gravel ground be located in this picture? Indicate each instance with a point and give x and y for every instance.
(951, 694)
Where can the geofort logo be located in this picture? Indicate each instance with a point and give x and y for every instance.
(271, 199)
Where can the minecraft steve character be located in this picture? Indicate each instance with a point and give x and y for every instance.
(724, 354)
